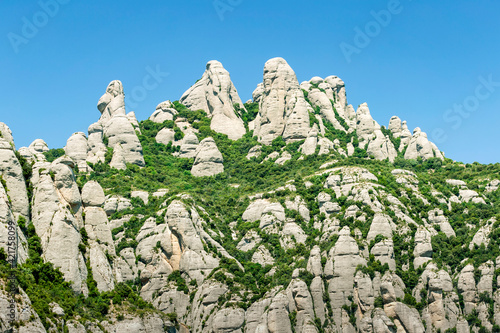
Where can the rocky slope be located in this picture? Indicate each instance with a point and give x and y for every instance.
(293, 212)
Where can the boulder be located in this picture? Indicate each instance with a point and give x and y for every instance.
(120, 132)
(423, 247)
(365, 125)
(285, 156)
(164, 111)
(77, 148)
(208, 160)
(395, 126)
(262, 256)
(189, 145)
(255, 151)
(92, 194)
(309, 146)
(381, 225)
(493, 185)
(165, 135)
(143, 195)
(37, 148)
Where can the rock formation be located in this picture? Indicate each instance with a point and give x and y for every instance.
(12, 174)
(208, 159)
(420, 146)
(215, 94)
(164, 111)
(117, 128)
(295, 236)
(77, 148)
(283, 108)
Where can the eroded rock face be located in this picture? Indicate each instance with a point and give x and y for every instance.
(467, 288)
(176, 244)
(12, 173)
(189, 145)
(164, 111)
(96, 146)
(283, 109)
(365, 125)
(257, 93)
(120, 132)
(34, 153)
(8, 219)
(331, 286)
(309, 146)
(216, 95)
(112, 102)
(423, 247)
(165, 135)
(57, 219)
(6, 134)
(26, 316)
(254, 152)
(117, 129)
(208, 160)
(322, 100)
(77, 148)
(420, 146)
(395, 126)
(369, 133)
(101, 246)
(346, 257)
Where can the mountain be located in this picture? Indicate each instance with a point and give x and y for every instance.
(292, 212)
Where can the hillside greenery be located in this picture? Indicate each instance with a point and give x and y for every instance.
(224, 197)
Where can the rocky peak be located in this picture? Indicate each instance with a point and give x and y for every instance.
(215, 94)
(420, 146)
(112, 102)
(365, 125)
(283, 108)
(395, 126)
(6, 134)
(118, 128)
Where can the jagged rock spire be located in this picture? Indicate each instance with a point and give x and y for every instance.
(215, 94)
(283, 108)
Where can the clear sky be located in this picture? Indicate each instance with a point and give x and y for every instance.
(435, 64)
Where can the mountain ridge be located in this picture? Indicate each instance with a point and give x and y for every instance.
(292, 212)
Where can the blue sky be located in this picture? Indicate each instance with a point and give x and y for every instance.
(434, 64)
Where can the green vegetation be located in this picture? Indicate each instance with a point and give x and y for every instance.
(54, 154)
(223, 204)
(45, 284)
